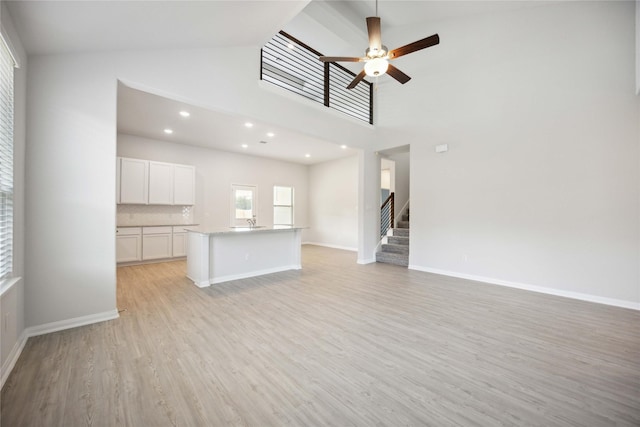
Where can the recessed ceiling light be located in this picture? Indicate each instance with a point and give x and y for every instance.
(248, 124)
(271, 134)
(168, 131)
(343, 147)
(185, 113)
(307, 155)
(291, 46)
(244, 145)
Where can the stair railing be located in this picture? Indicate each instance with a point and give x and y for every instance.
(386, 215)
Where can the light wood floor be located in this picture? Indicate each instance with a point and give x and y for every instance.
(336, 344)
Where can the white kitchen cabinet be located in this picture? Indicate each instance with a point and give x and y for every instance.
(118, 168)
(160, 183)
(157, 242)
(145, 182)
(184, 178)
(180, 240)
(128, 244)
(134, 181)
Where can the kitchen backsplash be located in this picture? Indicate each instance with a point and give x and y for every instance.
(153, 215)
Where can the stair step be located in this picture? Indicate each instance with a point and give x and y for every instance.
(396, 249)
(403, 224)
(398, 240)
(392, 258)
(401, 232)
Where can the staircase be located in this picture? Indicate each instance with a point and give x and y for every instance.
(396, 250)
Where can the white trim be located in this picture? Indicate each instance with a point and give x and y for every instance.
(543, 290)
(327, 245)
(33, 331)
(11, 360)
(10, 37)
(366, 261)
(253, 274)
(7, 284)
(400, 213)
(47, 328)
(202, 284)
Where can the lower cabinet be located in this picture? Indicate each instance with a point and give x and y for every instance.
(157, 242)
(150, 243)
(128, 244)
(180, 240)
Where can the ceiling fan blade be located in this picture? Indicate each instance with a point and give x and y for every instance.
(397, 74)
(373, 27)
(357, 80)
(340, 59)
(412, 47)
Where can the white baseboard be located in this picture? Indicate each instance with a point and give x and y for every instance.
(550, 291)
(71, 323)
(11, 360)
(33, 331)
(366, 261)
(203, 284)
(327, 245)
(254, 273)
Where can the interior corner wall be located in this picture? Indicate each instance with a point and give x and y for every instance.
(217, 170)
(333, 203)
(540, 187)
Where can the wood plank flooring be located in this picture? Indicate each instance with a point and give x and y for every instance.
(335, 344)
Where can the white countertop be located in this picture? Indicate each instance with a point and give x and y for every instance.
(256, 229)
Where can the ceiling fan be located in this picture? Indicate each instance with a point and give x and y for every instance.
(377, 56)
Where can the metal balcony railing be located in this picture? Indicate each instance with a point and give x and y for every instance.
(290, 64)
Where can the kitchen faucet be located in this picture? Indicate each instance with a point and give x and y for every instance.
(252, 221)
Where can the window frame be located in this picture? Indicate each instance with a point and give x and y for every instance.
(239, 222)
(291, 205)
(7, 190)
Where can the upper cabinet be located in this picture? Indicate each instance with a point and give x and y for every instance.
(160, 183)
(155, 183)
(184, 185)
(134, 181)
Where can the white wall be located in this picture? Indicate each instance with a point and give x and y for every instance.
(12, 307)
(540, 187)
(402, 180)
(333, 203)
(72, 147)
(217, 170)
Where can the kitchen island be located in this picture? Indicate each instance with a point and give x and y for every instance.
(221, 255)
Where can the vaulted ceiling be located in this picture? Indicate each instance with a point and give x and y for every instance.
(332, 27)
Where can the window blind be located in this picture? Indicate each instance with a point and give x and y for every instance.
(6, 161)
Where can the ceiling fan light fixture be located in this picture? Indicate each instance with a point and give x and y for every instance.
(376, 67)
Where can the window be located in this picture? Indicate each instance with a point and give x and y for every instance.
(6, 161)
(282, 205)
(243, 204)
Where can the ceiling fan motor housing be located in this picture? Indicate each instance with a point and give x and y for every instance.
(373, 52)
